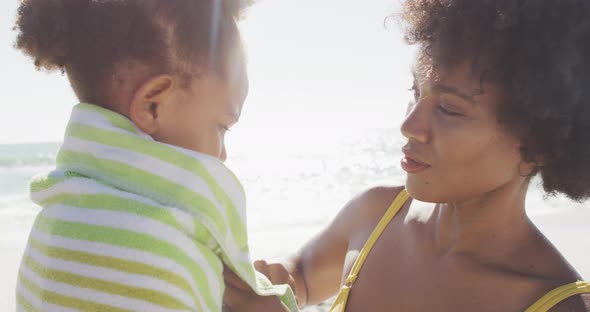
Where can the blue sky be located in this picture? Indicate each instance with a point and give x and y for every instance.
(314, 65)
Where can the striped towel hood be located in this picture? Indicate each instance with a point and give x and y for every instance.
(108, 172)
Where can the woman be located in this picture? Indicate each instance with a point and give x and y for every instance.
(501, 95)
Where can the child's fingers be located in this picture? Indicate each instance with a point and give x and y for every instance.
(262, 267)
(233, 280)
(278, 273)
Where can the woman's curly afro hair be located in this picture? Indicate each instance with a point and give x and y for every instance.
(538, 52)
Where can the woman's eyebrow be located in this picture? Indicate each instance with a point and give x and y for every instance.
(454, 91)
(442, 88)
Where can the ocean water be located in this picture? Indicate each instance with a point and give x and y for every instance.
(294, 187)
(303, 180)
(300, 182)
(18, 163)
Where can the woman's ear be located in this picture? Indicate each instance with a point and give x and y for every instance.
(149, 101)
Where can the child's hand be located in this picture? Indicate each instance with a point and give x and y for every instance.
(239, 297)
(276, 273)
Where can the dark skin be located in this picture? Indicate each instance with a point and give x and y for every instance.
(196, 114)
(464, 242)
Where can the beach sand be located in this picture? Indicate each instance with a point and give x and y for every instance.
(568, 230)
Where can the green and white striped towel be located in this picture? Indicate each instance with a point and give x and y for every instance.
(131, 224)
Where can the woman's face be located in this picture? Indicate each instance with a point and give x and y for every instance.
(456, 148)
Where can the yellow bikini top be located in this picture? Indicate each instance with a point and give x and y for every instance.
(542, 305)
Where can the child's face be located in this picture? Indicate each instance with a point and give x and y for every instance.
(198, 118)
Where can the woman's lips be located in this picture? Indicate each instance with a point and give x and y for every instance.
(413, 166)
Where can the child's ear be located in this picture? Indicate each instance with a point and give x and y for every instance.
(148, 102)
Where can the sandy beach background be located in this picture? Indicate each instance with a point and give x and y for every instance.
(291, 194)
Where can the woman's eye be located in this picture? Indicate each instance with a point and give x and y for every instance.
(414, 89)
(448, 112)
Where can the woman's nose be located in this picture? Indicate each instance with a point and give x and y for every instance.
(416, 126)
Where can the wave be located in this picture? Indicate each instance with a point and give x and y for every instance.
(28, 155)
(29, 161)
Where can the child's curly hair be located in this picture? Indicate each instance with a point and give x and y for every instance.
(88, 38)
(538, 51)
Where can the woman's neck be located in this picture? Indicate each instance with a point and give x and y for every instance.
(485, 225)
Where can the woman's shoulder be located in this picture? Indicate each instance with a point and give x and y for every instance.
(578, 303)
(374, 200)
(564, 296)
(552, 278)
(367, 208)
(378, 197)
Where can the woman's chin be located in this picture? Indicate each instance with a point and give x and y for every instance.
(423, 191)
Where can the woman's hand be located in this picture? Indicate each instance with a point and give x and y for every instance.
(239, 297)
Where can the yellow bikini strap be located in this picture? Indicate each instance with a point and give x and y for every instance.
(391, 212)
(558, 295)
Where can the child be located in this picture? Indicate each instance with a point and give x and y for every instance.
(140, 213)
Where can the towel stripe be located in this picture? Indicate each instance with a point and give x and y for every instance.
(113, 203)
(93, 261)
(149, 295)
(137, 225)
(22, 303)
(131, 224)
(143, 242)
(117, 121)
(145, 163)
(126, 255)
(117, 278)
(162, 152)
(63, 300)
(145, 182)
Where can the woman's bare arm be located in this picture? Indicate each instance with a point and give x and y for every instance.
(317, 268)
